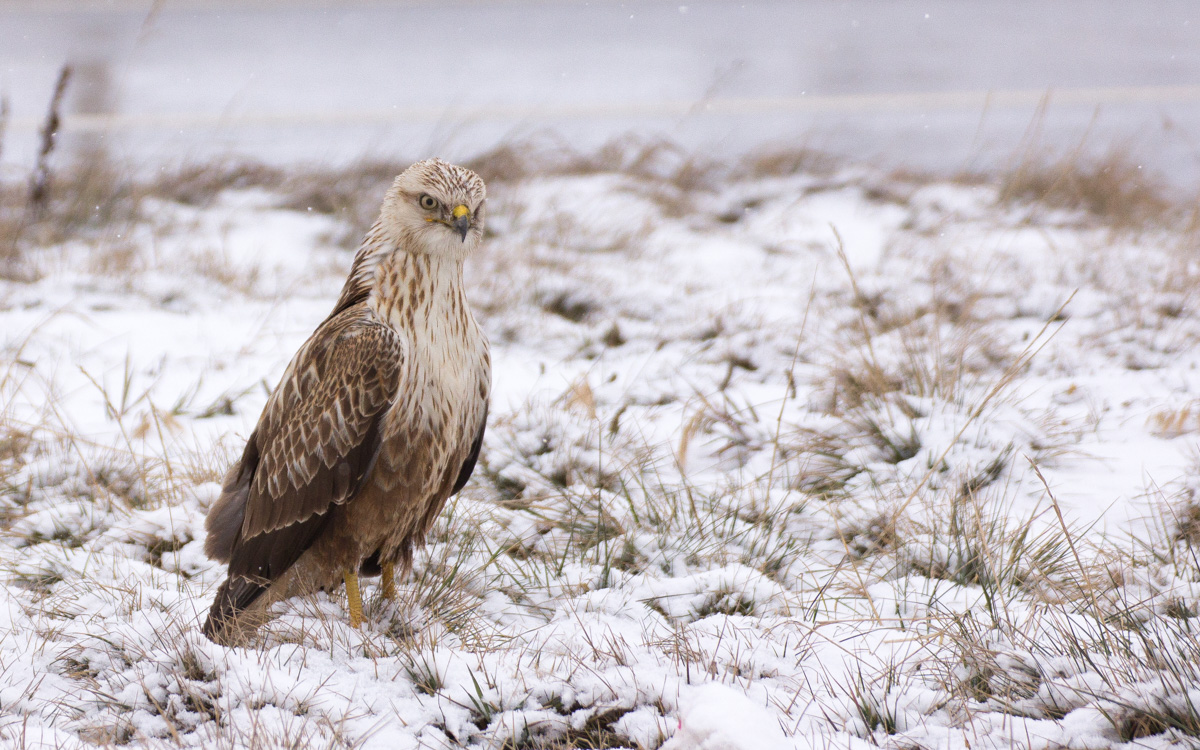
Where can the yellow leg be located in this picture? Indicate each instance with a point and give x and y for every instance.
(355, 598)
(389, 581)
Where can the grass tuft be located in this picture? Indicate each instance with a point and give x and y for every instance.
(1115, 189)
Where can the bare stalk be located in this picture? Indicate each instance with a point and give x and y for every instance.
(39, 181)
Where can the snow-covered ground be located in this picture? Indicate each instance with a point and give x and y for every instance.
(795, 461)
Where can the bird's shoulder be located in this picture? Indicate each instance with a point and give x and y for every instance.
(328, 402)
(351, 349)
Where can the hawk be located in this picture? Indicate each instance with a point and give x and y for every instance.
(378, 419)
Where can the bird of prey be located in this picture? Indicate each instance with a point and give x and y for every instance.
(378, 419)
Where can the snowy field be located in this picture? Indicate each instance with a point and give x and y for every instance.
(780, 456)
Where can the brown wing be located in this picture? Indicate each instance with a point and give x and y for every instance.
(464, 473)
(313, 448)
(313, 433)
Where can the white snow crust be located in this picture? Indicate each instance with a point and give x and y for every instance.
(762, 471)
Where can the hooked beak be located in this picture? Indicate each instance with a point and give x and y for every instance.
(462, 221)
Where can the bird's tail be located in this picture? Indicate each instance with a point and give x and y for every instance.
(232, 619)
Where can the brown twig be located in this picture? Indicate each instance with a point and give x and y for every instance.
(39, 181)
(4, 114)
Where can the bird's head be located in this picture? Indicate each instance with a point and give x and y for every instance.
(436, 208)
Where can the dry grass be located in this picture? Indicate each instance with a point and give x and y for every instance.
(1114, 189)
(92, 198)
(782, 162)
(91, 201)
(1171, 423)
(651, 158)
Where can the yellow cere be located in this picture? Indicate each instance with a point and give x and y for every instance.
(460, 211)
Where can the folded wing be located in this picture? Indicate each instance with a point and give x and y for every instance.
(314, 447)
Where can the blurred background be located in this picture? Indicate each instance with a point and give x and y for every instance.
(941, 86)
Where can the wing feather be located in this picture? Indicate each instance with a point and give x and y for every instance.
(468, 466)
(315, 444)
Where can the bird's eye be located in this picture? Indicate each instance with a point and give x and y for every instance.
(428, 202)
